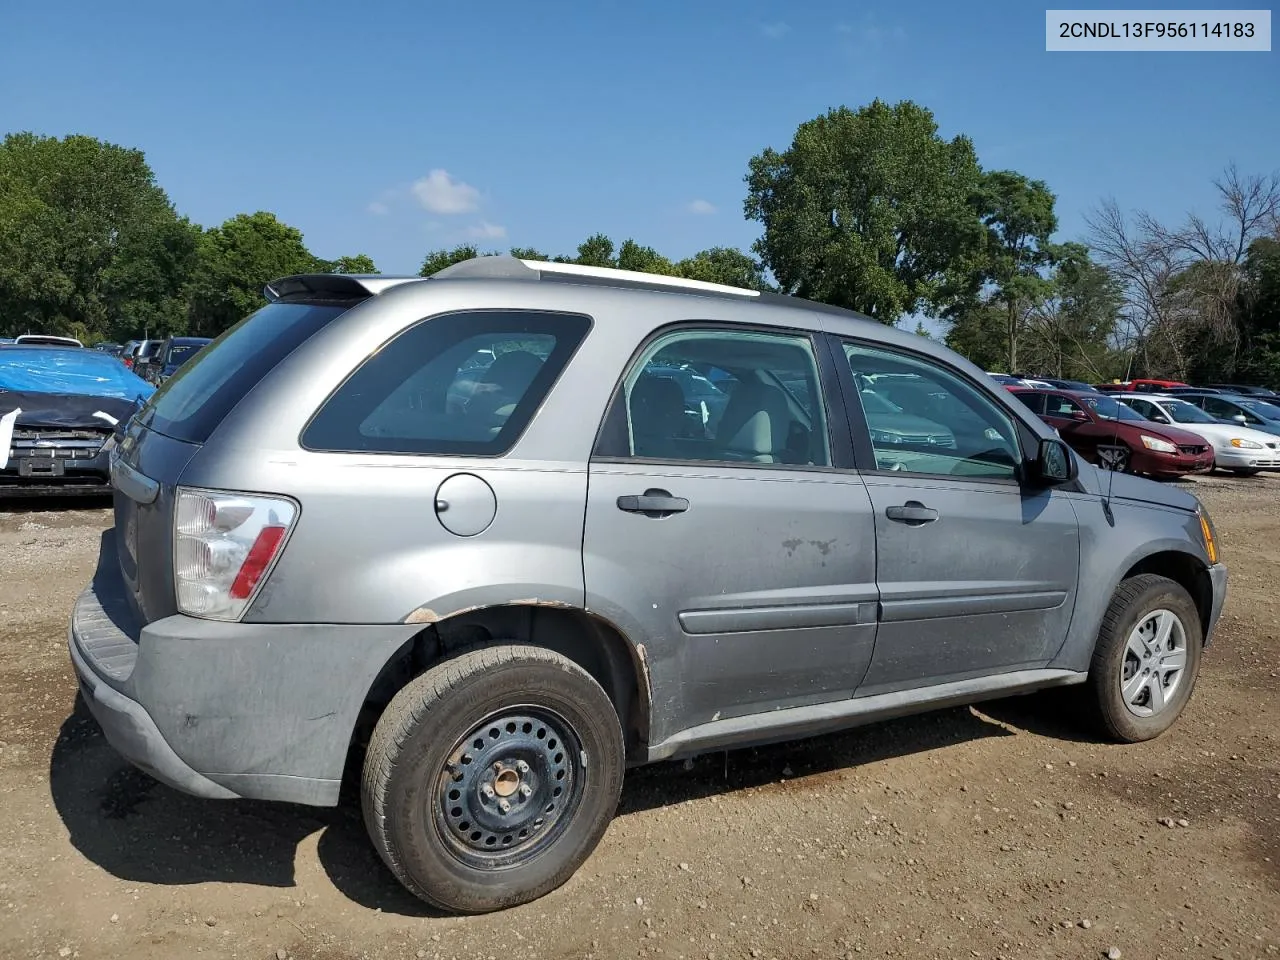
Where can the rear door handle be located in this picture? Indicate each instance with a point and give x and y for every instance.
(912, 512)
(653, 502)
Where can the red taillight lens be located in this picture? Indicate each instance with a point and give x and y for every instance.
(255, 564)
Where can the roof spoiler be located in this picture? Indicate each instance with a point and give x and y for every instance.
(334, 286)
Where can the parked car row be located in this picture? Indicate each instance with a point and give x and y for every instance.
(1164, 435)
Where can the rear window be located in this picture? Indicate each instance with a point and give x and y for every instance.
(462, 383)
(179, 352)
(191, 404)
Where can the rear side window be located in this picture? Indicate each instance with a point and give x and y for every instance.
(461, 383)
(191, 404)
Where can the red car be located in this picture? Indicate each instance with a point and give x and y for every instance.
(1140, 385)
(1107, 433)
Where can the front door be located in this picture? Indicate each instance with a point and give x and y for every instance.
(977, 574)
(722, 535)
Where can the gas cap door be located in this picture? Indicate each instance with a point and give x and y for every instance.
(465, 505)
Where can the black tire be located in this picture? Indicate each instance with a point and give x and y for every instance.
(419, 821)
(1136, 600)
(1245, 471)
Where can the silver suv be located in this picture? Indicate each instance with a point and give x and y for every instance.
(498, 534)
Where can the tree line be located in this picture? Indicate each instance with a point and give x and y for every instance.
(870, 209)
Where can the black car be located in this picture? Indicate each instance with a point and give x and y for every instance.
(1264, 393)
(171, 355)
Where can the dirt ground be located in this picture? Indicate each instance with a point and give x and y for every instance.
(997, 831)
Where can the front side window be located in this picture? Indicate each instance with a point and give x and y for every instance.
(1145, 408)
(1056, 405)
(923, 418)
(1224, 410)
(463, 383)
(724, 397)
(1108, 408)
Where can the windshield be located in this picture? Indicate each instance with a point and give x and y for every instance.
(1183, 412)
(1109, 409)
(179, 352)
(1263, 409)
(191, 403)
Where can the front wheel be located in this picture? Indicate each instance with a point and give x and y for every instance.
(1245, 471)
(1146, 660)
(491, 777)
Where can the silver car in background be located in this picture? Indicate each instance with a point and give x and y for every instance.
(1240, 449)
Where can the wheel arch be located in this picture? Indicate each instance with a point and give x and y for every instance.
(1185, 569)
(591, 641)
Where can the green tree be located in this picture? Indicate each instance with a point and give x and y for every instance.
(147, 285)
(1019, 219)
(360, 263)
(724, 265)
(437, 260)
(868, 209)
(596, 251)
(528, 253)
(79, 220)
(236, 261)
(632, 256)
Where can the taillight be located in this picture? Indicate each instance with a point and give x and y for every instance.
(224, 544)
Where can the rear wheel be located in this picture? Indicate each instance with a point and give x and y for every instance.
(1146, 660)
(491, 778)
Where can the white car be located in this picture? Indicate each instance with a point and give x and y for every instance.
(1242, 450)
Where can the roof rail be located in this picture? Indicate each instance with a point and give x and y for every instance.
(512, 268)
(342, 286)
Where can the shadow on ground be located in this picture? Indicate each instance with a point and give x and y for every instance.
(139, 830)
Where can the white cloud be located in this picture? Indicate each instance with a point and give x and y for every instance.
(775, 31)
(487, 231)
(378, 208)
(439, 192)
(701, 206)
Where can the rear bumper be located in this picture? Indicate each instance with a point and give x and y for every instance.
(224, 710)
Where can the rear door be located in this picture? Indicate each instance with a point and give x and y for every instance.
(157, 444)
(736, 544)
(977, 573)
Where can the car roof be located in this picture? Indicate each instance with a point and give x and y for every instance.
(592, 288)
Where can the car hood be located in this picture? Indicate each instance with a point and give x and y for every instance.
(1127, 486)
(1176, 435)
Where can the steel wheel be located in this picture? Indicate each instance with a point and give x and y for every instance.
(1155, 658)
(509, 787)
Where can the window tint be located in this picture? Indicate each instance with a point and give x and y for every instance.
(1143, 407)
(925, 419)
(198, 397)
(1032, 401)
(724, 396)
(1108, 408)
(464, 383)
(1225, 410)
(1056, 405)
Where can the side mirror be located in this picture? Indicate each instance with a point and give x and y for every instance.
(1054, 463)
(1159, 418)
(1079, 415)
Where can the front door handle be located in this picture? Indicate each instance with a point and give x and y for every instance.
(653, 503)
(912, 512)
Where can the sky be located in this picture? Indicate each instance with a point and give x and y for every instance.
(394, 128)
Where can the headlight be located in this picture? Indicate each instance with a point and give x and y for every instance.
(1160, 446)
(883, 436)
(1245, 444)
